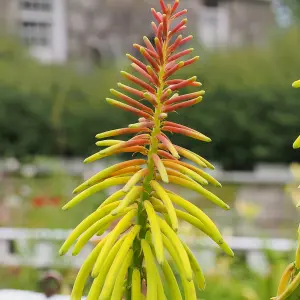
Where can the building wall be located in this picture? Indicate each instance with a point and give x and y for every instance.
(8, 11)
(251, 21)
(106, 28)
(40, 24)
(232, 23)
(95, 31)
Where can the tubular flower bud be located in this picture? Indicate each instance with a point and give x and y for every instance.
(127, 107)
(296, 84)
(131, 101)
(149, 45)
(175, 6)
(170, 108)
(178, 98)
(180, 54)
(180, 13)
(156, 15)
(187, 132)
(144, 215)
(136, 61)
(120, 131)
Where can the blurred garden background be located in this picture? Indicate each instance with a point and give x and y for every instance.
(58, 60)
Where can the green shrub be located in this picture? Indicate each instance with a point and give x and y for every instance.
(53, 110)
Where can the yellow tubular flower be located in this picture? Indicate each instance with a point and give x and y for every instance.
(84, 272)
(171, 281)
(285, 279)
(98, 283)
(168, 232)
(156, 232)
(98, 225)
(136, 285)
(115, 267)
(118, 287)
(139, 221)
(151, 271)
(188, 286)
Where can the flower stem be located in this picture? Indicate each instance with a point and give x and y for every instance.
(142, 216)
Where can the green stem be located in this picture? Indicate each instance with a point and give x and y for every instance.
(142, 215)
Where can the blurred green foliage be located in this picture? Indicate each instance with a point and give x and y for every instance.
(28, 213)
(250, 109)
(295, 8)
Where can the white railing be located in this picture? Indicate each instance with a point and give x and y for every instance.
(261, 174)
(39, 248)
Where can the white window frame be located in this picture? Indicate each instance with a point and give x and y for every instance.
(213, 26)
(36, 5)
(36, 33)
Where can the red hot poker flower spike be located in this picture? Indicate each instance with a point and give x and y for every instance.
(140, 216)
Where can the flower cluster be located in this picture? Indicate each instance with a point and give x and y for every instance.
(133, 254)
(289, 286)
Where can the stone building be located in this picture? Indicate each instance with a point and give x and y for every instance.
(95, 30)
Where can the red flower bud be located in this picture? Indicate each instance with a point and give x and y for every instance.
(131, 101)
(175, 45)
(180, 54)
(163, 6)
(142, 72)
(154, 27)
(136, 61)
(153, 75)
(190, 133)
(138, 81)
(165, 154)
(158, 46)
(165, 25)
(149, 45)
(191, 61)
(150, 52)
(174, 69)
(156, 16)
(180, 13)
(150, 59)
(131, 90)
(127, 107)
(178, 27)
(170, 108)
(182, 84)
(175, 6)
(184, 97)
(185, 40)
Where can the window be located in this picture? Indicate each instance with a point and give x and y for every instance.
(211, 3)
(12, 247)
(36, 5)
(35, 33)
